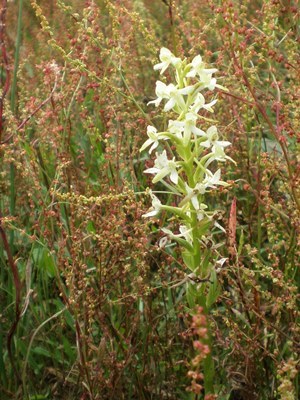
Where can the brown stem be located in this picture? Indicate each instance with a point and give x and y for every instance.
(5, 62)
(18, 287)
(238, 98)
(11, 262)
(263, 112)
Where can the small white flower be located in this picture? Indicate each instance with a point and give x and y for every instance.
(163, 242)
(156, 206)
(218, 154)
(221, 261)
(188, 126)
(163, 167)
(212, 138)
(201, 211)
(210, 182)
(210, 83)
(191, 195)
(184, 233)
(200, 103)
(166, 58)
(172, 94)
(198, 68)
(205, 74)
(175, 128)
(176, 97)
(219, 226)
(153, 140)
(161, 92)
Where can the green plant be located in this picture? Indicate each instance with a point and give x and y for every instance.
(190, 178)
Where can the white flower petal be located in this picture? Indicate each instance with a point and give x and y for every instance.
(195, 202)
(159, 66)
(174, 176)
(169, 105)
(220, 226)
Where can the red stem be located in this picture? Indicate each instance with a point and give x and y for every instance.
(12, 265)
(5, 62)
(18, 287)
(263, 112)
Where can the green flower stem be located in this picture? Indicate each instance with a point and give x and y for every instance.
(175, 210)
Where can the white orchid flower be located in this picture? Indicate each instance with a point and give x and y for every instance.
(200, 103)
(163, 167)
(175, 128)
(212, 138)
(191, 195)
(172, 94)
(175, 96)
(163, 242)
(198, 68)
(184, 233)
(156, 206)
(201, 211)
(161, 92)
(209, 182)
(188, 126)
(153, 140)
(211, 84)
(166, 58)
(218, 154)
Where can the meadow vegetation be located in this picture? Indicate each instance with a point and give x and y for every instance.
(91, 306)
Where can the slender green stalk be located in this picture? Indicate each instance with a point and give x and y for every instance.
(2, 365)
(30, 345)
(259, 211)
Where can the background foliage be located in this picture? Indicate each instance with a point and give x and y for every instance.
(90, 306)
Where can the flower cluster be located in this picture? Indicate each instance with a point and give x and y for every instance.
(187, 163)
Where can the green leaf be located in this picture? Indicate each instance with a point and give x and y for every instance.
(42, 352)
(241, 243)
(214, 290)
(188, 259)
(90, 227)
(196, 294)
(190, 295)
(44, 260)
(209, 372)
(48, 263)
